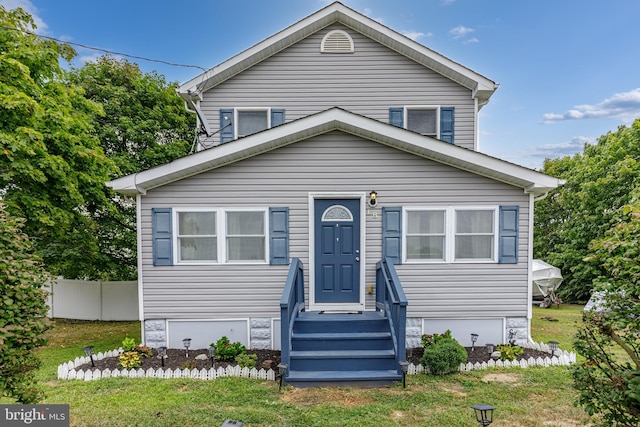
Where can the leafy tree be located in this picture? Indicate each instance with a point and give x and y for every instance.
(144, 125)
(52, 168)
(609, 379)
(598, 182)
(23, 314)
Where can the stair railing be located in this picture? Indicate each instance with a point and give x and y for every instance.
(391, 300)
(291, 304)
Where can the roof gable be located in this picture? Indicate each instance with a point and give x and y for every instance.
(327, 121)
(482, 88)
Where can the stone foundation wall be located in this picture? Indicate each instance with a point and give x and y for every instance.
(520, 326)
(260, 333)
(155, 333)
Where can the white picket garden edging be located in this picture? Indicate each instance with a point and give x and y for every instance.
(67, 371)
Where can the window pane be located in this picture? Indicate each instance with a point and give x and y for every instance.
(245, 248)
(422, 121)
(425, 222)
(243, 223)
(196, 223)
(474, 221)
(198, 249)
(474, 247)
(251, 122)
(425, 247)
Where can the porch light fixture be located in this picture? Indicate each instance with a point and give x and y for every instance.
(373, 199)
(162, 353)
(512, 337)
(474, 338)
(484, 413)
(553, 345)
(489, 348)
(186, 342)
(88, 351)
(212, 355)
(282, 370)
(404, 366)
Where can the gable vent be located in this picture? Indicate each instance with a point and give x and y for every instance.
(337, 41)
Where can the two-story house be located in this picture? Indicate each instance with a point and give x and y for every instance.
(337, 207)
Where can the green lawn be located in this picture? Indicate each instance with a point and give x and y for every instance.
(522, 397)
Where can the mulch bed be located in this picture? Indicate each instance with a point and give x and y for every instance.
(267, 359)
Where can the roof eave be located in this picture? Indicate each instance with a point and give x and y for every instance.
(337, 119)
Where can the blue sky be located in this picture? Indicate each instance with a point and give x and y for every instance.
(568, 70)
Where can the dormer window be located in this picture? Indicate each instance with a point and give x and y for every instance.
(337, 41)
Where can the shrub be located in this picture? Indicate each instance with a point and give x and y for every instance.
(227, 351)
(444, 357)
(247, 360)
(23, 312)
(129, 360)
(509, 351)
(428, 340)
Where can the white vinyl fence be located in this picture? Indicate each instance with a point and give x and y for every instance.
(93, 300)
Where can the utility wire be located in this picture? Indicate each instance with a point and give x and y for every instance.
(105, 50)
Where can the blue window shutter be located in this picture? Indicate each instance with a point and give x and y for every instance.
(447, 120)
(226, 125)
(396, 116)
(392, 233)
(162, 236)
(279, 236)
(508, 235)
(277, 117)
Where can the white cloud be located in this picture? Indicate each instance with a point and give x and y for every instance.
(621, 106)
(416, 35)
(369, 12)
(448, 2)
(30, 9)
(460, 31)
(471, 40)
(535, 156)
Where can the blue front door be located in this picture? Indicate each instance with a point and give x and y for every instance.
(337, 251)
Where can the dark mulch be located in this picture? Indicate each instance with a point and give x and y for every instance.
(479, 354)
(267, 359)
(176, 359)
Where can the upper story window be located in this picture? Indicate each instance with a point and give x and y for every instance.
(424, 120)
(239, 122)
(337, 41)
(430, 120)
(251, 121)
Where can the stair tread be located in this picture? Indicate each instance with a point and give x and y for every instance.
(341, 335)
(347, 354)
(349, 375)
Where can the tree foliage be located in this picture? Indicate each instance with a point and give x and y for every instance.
(63, 135)
(609, 380)
(144, 124)
(52, 168)
(23, 314)
(599, 181)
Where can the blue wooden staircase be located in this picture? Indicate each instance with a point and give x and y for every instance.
(342, 349)
(362, 349)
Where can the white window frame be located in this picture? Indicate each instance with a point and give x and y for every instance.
(221, 234)
(423, 107)
(236, 120)
(450, 234)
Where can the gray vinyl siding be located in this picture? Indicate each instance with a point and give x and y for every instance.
(334, 162)
(368, 82)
